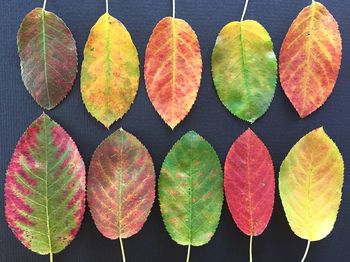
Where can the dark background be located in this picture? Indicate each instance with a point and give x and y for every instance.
(279, 128)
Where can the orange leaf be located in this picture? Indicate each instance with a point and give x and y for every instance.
(173, 69)
(310, 58)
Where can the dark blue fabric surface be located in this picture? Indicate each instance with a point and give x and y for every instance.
(279, 128)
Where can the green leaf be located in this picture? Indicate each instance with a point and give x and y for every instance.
(191, 191)
(45, 188)
(244, 68)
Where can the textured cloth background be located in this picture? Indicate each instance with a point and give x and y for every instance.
(280, 128)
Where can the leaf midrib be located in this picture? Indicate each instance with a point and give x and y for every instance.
(249, 191)
(108, 62)
(46, 188)
(243, 64)
(173, 63)
(43, 28)
(190, 211)
(308, 54)
(308, 190)
(120, 187)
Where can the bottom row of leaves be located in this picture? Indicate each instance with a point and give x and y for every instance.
(45, 187)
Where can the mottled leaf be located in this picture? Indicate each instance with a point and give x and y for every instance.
(110, 71)
(45, 188)
(249, 183)
(310, 59)
(121, 185)
(310, 184)
(48, 57)
(173, 69)
(191, 190)
(244, 69)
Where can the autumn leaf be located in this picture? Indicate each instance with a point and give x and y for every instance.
(173, 68)
(48, 57)
(45, 188)
(244, 69)
(310, 184)
(310, 58)
(191, 191)
(121, 186)
(249, 184)
(110, 71)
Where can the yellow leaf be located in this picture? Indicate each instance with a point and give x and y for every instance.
(110, 71)
(310, 183)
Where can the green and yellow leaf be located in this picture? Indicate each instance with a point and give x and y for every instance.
(310, 183)
(110, 71)
(244, 69)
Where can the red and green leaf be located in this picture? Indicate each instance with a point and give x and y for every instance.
(45, 188)
(173, 68)
(48, 56)
(249, 183)
(121, 185)
(310, 58)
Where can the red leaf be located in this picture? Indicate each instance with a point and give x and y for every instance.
(249, 183)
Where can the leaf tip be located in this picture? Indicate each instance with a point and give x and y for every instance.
(106, 124)
(172, 123)
(44, 115)
(192, 133)
(249, 130)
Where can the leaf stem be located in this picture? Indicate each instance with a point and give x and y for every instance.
(44, 5)
(51, 257)
(188, 253)
(107, 6)
(174, 7)
(245, 9)
(122, 249)
(306, 251)
(251, 249)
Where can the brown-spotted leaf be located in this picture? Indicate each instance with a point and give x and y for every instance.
(121, 185)
(110, 71)
(48, 56)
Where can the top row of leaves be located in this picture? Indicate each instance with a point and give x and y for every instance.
(244, 65)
